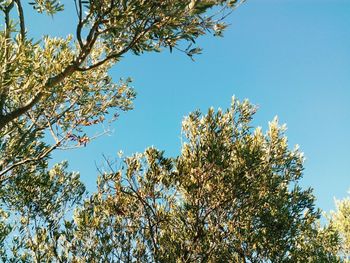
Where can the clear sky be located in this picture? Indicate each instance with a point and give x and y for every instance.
(290, 57)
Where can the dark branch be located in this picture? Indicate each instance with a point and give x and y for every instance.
(21, 19)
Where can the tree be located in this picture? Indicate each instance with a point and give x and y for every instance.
(232, 195)
(59, 86)
(340, 220)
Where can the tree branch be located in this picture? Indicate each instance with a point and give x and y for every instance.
(80, 23)
(7, 11)
(4, 120)
(24, 161)
(21, 19)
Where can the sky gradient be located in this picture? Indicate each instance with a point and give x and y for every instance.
(290, 57)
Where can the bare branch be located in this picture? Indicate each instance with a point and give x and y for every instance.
(80, 23)
(21, 19)
(100, 63)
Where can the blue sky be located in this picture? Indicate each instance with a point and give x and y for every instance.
(290, 57)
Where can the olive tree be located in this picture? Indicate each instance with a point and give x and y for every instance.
(340, 220)
(232, 195)
(61, 85)
(53, 88)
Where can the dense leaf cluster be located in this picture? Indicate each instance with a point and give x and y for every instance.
(61, 85)
(231, 196)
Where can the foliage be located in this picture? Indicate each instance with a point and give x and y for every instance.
(340, 220)
(61, 85)
(38, 202)
(231, 196)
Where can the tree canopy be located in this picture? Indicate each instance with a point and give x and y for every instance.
(61, 85)
(232, 195)
(340, 221)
